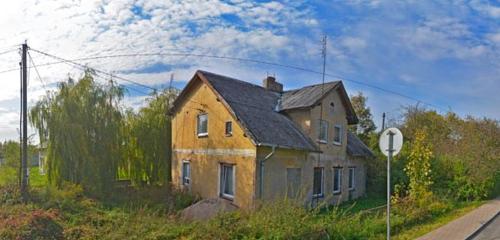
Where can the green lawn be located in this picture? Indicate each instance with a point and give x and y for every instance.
(9, 175)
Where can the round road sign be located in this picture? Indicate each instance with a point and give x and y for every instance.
(397, 141)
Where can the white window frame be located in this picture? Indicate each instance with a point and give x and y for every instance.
(322, 194)
(221, 188)
(340, 180)
(320, 129)
(183, 177)
(353, 184)
(341, 132)
(228, 134)
(201, 134)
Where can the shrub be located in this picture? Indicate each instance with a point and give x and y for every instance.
(33, 224)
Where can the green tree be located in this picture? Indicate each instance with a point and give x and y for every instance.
(81, 125)
(11, 153)
(149, 140)
(366, 126)
(418, 167)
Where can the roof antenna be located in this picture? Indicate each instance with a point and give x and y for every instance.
(323, 54)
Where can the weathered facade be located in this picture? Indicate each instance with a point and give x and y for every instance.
(244, 143)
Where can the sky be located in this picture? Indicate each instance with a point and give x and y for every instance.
(443, 55)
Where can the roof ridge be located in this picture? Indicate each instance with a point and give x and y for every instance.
(233, 79)
(314, 85)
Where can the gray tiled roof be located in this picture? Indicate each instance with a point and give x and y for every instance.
(254, 107)
(306, 96)
(356, 147)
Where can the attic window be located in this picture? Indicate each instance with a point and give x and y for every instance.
(332, 108)
(229, 128)
(202, 125)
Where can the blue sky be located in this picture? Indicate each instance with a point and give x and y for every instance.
(446, 53)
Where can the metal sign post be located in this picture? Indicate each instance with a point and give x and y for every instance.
(390, 144)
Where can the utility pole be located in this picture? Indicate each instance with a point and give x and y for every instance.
(383, 121)
(24, 110)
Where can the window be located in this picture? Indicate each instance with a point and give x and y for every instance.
(229, 128)
(337, 134)
(318, 182)
(323, 131)
(202, 129)
(293, 181)
(337, 179)
(352, 178)
(227, 181)
(186, 173)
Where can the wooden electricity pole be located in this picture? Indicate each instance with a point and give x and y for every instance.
(24, 110)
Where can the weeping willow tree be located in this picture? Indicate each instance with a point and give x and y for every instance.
(149, 141)
(81, 126)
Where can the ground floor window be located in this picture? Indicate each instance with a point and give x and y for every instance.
(337, 179)
(352, 178)
(318, 182)
(227, 180)
(293, 182)
(186, 172)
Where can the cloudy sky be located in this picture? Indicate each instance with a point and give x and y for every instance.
(444, 53)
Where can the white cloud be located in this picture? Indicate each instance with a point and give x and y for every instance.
(75, 29)
(486, 8)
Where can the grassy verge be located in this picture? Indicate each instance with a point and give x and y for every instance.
(459, 210)
(153, 214)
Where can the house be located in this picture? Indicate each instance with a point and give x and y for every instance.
(246, 143)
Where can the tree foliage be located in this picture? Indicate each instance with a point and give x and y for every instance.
(366, 126)
(149, 140)
(418, 168)
(81, 126)
(466, 161)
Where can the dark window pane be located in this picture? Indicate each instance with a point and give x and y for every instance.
(351, 177)
(318, 182)
(186, 173)
(227, 180)
(229, 128)
(337, 179)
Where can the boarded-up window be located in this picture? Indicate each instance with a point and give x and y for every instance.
(293, 181)
(318, 182)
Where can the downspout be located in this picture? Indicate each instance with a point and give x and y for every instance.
(261, 170)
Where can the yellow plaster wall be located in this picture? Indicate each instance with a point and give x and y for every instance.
(206, 153)
(275, 181)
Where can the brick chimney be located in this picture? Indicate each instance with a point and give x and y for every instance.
(270, 83)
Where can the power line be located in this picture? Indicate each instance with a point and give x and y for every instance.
(95, 69)
(185, 54)
(265, 63)
(37, 73)
(8, 51)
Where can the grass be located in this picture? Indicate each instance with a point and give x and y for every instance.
(10, 175)
(459, 210)
(152, 213)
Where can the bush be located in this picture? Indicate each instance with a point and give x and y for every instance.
(34, 224)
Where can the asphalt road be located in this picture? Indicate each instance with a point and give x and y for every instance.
(491, 231)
